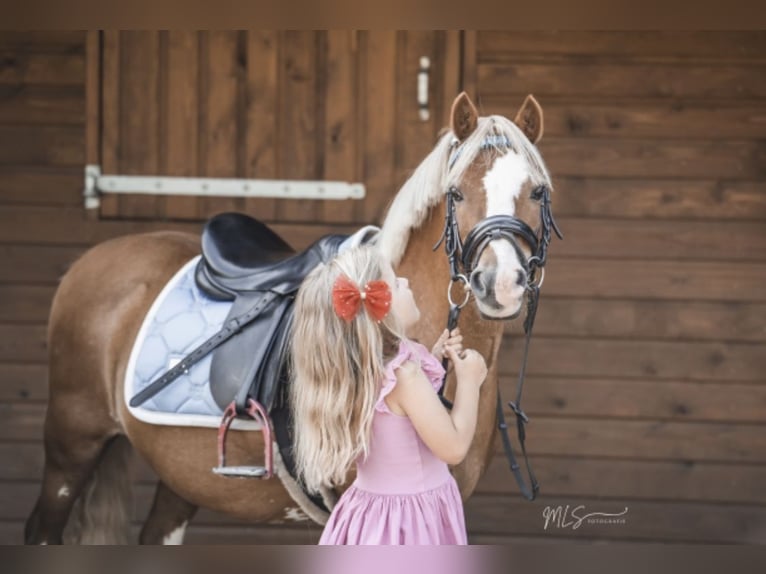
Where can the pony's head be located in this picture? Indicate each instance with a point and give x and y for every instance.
(483, 167)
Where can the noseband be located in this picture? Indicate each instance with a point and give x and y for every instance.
(466, 254)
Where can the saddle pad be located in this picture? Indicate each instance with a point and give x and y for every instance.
(181, 318)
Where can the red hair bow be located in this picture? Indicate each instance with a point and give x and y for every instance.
(347, 298)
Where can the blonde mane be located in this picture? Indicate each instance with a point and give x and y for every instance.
(426, 186)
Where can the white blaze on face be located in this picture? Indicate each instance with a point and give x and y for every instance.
(63, 491)
(176, 537)
(503, 184)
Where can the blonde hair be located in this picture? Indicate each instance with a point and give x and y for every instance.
(336, 371)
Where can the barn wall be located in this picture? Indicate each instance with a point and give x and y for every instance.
(646, 385)
(646, 382)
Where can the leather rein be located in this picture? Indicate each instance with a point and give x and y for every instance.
(466, 254)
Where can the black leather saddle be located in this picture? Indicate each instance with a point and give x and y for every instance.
(245, 261)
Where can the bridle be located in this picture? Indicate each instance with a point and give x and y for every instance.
(466, 254)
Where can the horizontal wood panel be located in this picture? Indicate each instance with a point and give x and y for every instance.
(583, 237)
(42, 145)
(17, 67)
(553, 436)
(39, 185)
(73, 226)
(23, 343)
(682, 240)
(660, 198)
(559, 476)
(640, 399)
(620, 80)
(490, 514)
(25, 303)
(505, 46)
(576, 357)
(43, 41)
(609, 157)
(32, 264)
(644, 520)
(23, 381)
(42, 105)
(643, 119)
(633, 480)
(662, 280)
(673, 320)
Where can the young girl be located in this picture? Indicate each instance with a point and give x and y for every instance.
(364, 394)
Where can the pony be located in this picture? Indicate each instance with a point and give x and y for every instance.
(99, 305)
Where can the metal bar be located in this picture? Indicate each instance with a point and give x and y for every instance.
(96, 183)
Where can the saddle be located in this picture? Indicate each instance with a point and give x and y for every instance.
(246, 262)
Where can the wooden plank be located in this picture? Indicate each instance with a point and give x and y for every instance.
(111, 93)
(554, 436)
(180, 105)
(262, 116)
(223, 72)
(660, 198)
(43, 41)
(565, 116)
(23, 343)
(449, 63)
(682, 280)
(691, 159)
(488, 514)
(298, 142)
(58, 146)
(341, 115)
(644, 520)
(640, 399)
(25, 303)
(42, 105)
(93, 97)
(23, 382)
(139, 109)
(732, 321)
(681, 240)
(416, 137)
(49, 186)
(496, 46)
(469, 73)
(380, 121)
(623, 80)
(18, 67)
(25, 264)
(674, 481)
(697, 361)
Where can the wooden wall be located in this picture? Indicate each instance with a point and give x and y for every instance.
(646, 382)
(646, 385)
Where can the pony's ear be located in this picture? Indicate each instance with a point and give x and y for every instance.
(530, 119)
(464, 116)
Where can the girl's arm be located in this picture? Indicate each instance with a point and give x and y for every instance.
(447, 433)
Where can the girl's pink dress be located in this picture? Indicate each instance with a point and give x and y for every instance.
(403, 494)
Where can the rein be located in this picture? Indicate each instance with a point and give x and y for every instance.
(466, 254)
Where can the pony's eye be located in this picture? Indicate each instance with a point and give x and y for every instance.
(537, 193)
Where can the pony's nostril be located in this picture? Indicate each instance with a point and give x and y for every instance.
(521, 278)
(477, 284)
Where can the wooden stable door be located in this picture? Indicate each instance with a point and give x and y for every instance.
(304, 105)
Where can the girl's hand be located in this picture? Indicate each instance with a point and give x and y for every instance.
(447, 339)
(470, 368)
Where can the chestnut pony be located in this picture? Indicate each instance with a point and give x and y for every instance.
(101, 301)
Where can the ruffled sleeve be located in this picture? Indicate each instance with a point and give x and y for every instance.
(410, 351)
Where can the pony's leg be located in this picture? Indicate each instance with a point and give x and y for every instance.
(69, 464)
(168, 518)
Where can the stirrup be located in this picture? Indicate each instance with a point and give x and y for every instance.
(257, 412)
